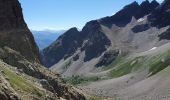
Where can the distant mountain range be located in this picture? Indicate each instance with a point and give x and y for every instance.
(45, 37)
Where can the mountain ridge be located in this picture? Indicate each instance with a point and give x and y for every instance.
(92, 30)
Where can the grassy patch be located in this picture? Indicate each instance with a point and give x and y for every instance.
(154, 63)
(159, 63)
(127, 67)
(19, 83)
(95, 97)
(75, 80)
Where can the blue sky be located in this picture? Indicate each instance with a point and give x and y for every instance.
(64, 14)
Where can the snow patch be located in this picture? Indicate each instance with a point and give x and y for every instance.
(140, 20)
(153, 48)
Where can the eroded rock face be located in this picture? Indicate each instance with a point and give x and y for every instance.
(90, 40)
(108, 58)
(14, 31)
(65, 46)
(95, 42)
(165, 35)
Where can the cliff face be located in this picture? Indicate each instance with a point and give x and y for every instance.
(14, 31)
(65, 46)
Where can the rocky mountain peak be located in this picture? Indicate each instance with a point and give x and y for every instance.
(127, 12)
(145, 3)
(147, 7)
(92, 25)
(73, 29)
(154, 4)
(133, 4)
(122, 17)
(166, 5)
(159, 17)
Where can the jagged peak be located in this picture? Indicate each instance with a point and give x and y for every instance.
(73, 29)
(128, 8)
(154, 3)
(92, 24)
(145, 2)
(133, 4)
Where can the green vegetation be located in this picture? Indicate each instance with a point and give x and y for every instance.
(159, 62)
(153, 63)
(95, 97)
(19, 83)
(127, 67)
(75, 80)
(124, 65)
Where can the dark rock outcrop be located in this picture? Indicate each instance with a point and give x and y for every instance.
(160, 16)
(14, 31)
(154, 4)
(96, 43)
(107, 58)
(124, 16)
(140, 28)
(65, 46)
(90, 39)
(165, 35)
